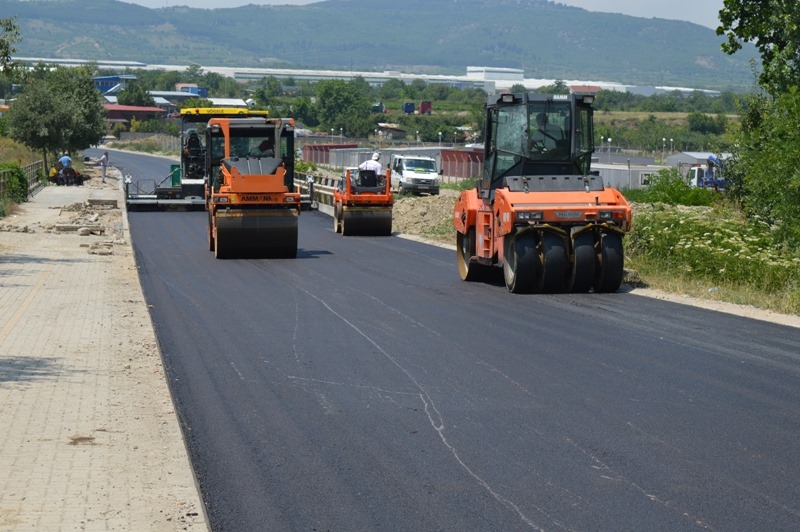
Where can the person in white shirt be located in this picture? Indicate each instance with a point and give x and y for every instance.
(372, 164)
(104, 164)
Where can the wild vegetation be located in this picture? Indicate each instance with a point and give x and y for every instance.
(700, 242)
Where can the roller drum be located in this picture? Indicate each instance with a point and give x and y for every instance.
(256, 234)
(366, 222)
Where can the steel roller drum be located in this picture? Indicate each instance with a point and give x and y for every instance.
(366, 221)
(256, 234)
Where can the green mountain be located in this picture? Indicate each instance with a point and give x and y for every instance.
(545, 39)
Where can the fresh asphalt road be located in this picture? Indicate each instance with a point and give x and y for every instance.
(363, 386)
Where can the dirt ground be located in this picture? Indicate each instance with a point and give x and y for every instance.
(416, 215)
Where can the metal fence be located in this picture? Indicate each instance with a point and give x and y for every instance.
(35, 176)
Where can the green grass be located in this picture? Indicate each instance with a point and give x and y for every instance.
(444, 232)
(461, 184)
(714, 251)
(694, 241)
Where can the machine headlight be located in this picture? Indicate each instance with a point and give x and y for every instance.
(529, 216)
(290, 199)
(611, 215)
(221, 199)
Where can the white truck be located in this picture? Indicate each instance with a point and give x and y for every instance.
(707, 175)
(415, 174)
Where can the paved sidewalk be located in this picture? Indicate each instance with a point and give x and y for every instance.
(89, 438)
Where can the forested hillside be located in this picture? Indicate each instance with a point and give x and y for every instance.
(546, 39)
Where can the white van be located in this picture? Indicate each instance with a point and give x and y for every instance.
(415, 174)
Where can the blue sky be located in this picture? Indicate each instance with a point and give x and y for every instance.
(703, 12)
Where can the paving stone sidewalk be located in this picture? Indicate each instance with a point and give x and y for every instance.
(90, 439)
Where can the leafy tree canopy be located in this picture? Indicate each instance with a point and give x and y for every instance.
(196, 102)
(135, 94)
(765, 170)
(343, 105)
(58, 110)
(559, 87)
(9, 35)
(774, 27)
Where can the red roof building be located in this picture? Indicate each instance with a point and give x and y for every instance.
(591, 89)
(117, 112)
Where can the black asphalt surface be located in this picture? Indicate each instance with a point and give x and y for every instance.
(363, 386)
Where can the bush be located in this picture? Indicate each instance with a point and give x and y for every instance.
(462, 184)
(765, 169)
(715, 243)
(16, 185)
(155, 125)
(302, 167)
(118, 130)
(669, 187)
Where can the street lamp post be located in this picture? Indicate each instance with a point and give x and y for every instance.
(331, 134)
(609, 150)
(671, 147)
(454, 138)
(341, 135)
(417, 136)
(663, 147)
(440, 139)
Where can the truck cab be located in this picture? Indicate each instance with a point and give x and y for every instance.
(415, 174)
(695, 176)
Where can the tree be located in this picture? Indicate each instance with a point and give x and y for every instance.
(60, 110)
(196, 101)
(302, 110)
(415, 88)
(343, 105)
(164, 80)
(267, 89)
(88, 124)
(222, 86)
(437, 92)
(774, 27)
(362, 87)
(559, 87)
(135, 94)
(37, 118)
(703, 123)
(765, 169)
(193, 74)
(9, 34)
(392, 89)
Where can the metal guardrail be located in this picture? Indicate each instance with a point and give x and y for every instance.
(34, 175)
(319, 191)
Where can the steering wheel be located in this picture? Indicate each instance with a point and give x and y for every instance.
(538, 145)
